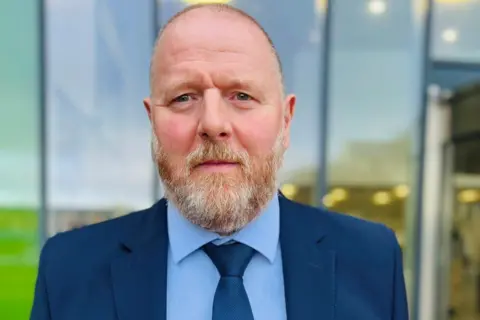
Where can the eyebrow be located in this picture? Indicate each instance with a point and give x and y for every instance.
(194, 80)
(182, 81)
(244, 84)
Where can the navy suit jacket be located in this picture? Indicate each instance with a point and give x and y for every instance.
(335, 267)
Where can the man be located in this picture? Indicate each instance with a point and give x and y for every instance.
(223, 244)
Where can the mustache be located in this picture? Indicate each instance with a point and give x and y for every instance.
(214, 151)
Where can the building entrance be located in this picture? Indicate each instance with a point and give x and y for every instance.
(461, 191)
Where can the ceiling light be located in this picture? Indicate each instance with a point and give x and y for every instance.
(289, 190)
(401, 191)
(382, 198)
(450, 35)
(328, 201)
(339, 194)
(469, 196)
(377, 7)
(321, 6)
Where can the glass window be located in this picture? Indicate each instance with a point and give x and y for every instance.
(374, 103)
(19, 160)
(98, 132)
(459, 284)
(455, 30)
(298, 45)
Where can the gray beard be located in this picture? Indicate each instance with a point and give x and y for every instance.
(221, 203)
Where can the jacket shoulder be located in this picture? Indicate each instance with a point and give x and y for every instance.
(93, 242)
(347, 232)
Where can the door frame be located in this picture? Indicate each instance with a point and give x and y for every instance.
(432, 259)
(438, 205)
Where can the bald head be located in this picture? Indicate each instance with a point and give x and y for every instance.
(194, 14)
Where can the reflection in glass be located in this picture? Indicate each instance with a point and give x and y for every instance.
(374, 99)
(464, 286)
(464, 231)
(98, 133)
(455, 30)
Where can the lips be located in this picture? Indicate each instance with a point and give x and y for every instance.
(214, 163)
(217, 162)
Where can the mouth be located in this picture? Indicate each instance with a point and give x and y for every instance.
(217, 165)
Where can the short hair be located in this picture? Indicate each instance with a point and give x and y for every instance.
(217, 7)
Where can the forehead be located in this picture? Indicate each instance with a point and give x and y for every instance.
(219, 40)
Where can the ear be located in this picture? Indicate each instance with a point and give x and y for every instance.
(147, 102)
(288, 111)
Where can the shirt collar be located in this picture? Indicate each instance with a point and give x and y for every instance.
(262, 234)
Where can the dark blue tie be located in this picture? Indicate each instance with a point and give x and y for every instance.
(231, 300)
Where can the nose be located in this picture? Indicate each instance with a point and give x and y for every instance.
(214, 123)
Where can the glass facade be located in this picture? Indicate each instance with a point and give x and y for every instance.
(455, 52)
(360, 70)
(455, 31)
(19, 155)
(374, 99)
(460, 241)
(98, 133)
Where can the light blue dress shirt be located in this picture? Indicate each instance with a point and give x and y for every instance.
(192, 278)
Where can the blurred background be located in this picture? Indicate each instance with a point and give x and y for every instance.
(387, 127)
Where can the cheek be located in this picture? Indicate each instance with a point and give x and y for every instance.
(258, 133)
(174, 133)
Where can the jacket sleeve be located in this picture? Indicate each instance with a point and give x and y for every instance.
(41, 306)
(399, 303)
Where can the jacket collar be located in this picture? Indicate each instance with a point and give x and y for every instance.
(139, 274)
(308, 262)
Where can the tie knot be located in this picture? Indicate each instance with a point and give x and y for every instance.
(231, 260)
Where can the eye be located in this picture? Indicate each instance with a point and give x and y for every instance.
(242, 96)
(182, 98)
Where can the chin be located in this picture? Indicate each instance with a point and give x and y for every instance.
(217, 179)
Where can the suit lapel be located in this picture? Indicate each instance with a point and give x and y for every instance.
(139, 274)
(308, 263)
